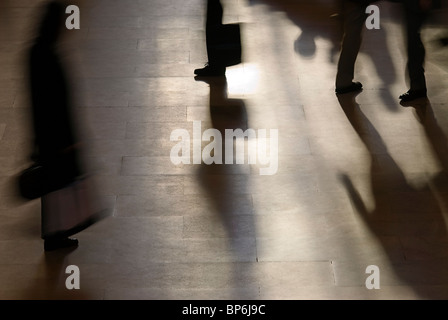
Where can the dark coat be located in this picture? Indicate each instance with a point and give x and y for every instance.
(54, 130)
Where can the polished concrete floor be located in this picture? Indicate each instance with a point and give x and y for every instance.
(361, 180)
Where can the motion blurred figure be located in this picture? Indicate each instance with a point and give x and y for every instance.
(57, 146)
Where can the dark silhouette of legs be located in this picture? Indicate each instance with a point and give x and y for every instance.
(214, 21)
(414, 18)
(354, 15)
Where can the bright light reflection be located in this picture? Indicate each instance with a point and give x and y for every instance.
(243, 79)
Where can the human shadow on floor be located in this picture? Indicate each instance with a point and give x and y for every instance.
(375, 46)
(227, 185)
(222, 181)
(407, 220)
(437, 140)
(315, 20)
(324, 20)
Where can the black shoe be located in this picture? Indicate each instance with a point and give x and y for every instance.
(413, 95)
(355, 86)
(210, 71)
(54, 244)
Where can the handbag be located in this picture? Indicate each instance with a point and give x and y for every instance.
(42, 178)
(71, 209)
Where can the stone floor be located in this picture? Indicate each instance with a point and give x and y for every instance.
(359, 179)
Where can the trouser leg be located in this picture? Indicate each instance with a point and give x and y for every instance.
(354, 19)
(214, 20)
(414, 19)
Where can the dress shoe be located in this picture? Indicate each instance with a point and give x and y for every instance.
(210, 71)
(413, 95)
(355, 86)
(54, 244)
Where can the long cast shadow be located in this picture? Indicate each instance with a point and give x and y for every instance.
(227, 185)
(412, 215)
(438, 142)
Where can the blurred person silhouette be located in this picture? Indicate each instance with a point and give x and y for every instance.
(65, 206)
(354, 16)
(415, 14)
(223, 42)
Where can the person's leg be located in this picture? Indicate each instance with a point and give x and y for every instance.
(214, 13)
(414, 18)
(213, 22)
(354, 19)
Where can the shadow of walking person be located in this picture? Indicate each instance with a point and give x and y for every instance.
(225, 113)
(315, 19)
(383, 64)
(220, 178)
(376, 47)
(438, 143)
(407, 220)
(227, 184)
